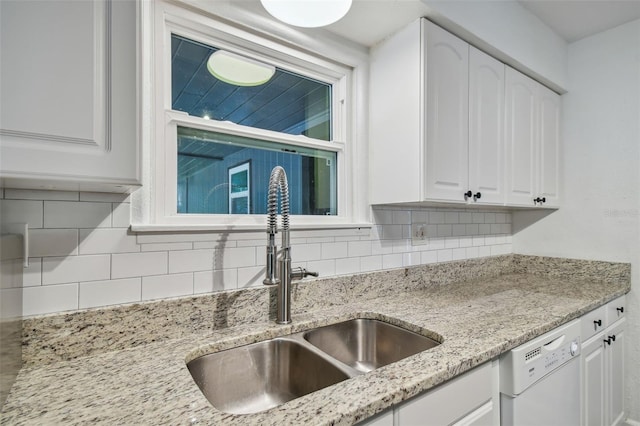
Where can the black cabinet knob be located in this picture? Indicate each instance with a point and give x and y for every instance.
(613, 338)
(477, 196)
(598, 323)
(621, 310)
(468, 194)
(607, 341)
(540, 200)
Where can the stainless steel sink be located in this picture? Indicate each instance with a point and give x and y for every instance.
(366, 344)
(254, 378)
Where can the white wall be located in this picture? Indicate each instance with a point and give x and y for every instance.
(600, 214)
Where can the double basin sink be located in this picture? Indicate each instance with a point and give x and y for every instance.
(256, 377)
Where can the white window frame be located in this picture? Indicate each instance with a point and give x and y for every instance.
(156, 208)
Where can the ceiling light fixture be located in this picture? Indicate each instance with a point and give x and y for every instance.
(238, 70)
(307, 13)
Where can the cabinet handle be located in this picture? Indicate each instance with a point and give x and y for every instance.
(613, 338)
(540, 200)
(607, 341)
(468, 194)
(477, 196)
(598, 323)
(621, 310)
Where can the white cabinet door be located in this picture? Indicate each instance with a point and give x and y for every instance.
(615, 372)
(450, 401)
(521, 138)
(593, 382)
(447, 115)
(549, 177)
(486, 141)
(383, 419)
(68, 105)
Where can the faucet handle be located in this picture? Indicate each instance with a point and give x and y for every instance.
(298, 273)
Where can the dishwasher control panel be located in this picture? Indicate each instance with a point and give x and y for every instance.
(523, 366)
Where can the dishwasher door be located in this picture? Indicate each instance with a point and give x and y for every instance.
(552, 401)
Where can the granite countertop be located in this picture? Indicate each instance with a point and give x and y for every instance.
(148, 383)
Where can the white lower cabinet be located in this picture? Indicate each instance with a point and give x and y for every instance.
(603, 366)
(466, 400)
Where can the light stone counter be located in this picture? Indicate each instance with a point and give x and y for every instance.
(127, 365)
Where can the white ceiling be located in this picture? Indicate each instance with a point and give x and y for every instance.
(571, 19)
(576, 19)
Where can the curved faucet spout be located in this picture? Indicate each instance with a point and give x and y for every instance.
(281, 276)
(277, 184)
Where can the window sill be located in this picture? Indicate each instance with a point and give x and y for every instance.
(180, 228)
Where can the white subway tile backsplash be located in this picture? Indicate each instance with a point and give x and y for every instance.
(436, 218)
(478, 217)
(451, 217)
(32, 275)
(445, 255)
(71, 214)
(22, 211)
(401, 217)
(370, 263)
(31, 194)
(209, 281)
(167, 246)
(48, 299)
(458, 253)
(165, 286)
(391, 261)
(104, 197)
(53, 242)
(250, 277)
(191, 260)
(427, 257)
(110, 292)
(347, 265)
(82, 250)
(58, 270)
(444, 231)
(299, 252)
(238, 257)
(359, 248)
(121, 216)
(326, 268)
(392, 232)
(107, 240)
(334, 250)
(138, 264)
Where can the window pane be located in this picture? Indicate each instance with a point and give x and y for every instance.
(287, 103)
(205, 160)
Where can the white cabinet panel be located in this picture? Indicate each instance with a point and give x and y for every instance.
(521, 137)
(486, 141)
(603, 368)
(447, 115)
(549, 156)
(449, 402)
(68, 106)
(593, 382)
(615, 372)
(532, 135)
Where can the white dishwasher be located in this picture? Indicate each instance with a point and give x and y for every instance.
(540, 380)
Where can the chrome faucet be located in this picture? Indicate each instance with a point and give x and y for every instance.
(282, 275)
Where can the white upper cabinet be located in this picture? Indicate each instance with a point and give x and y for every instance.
(486, 127)
(68, 106)
(447, 115)
(532, 142)
(451, 124)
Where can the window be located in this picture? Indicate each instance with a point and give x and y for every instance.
(214, 141)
